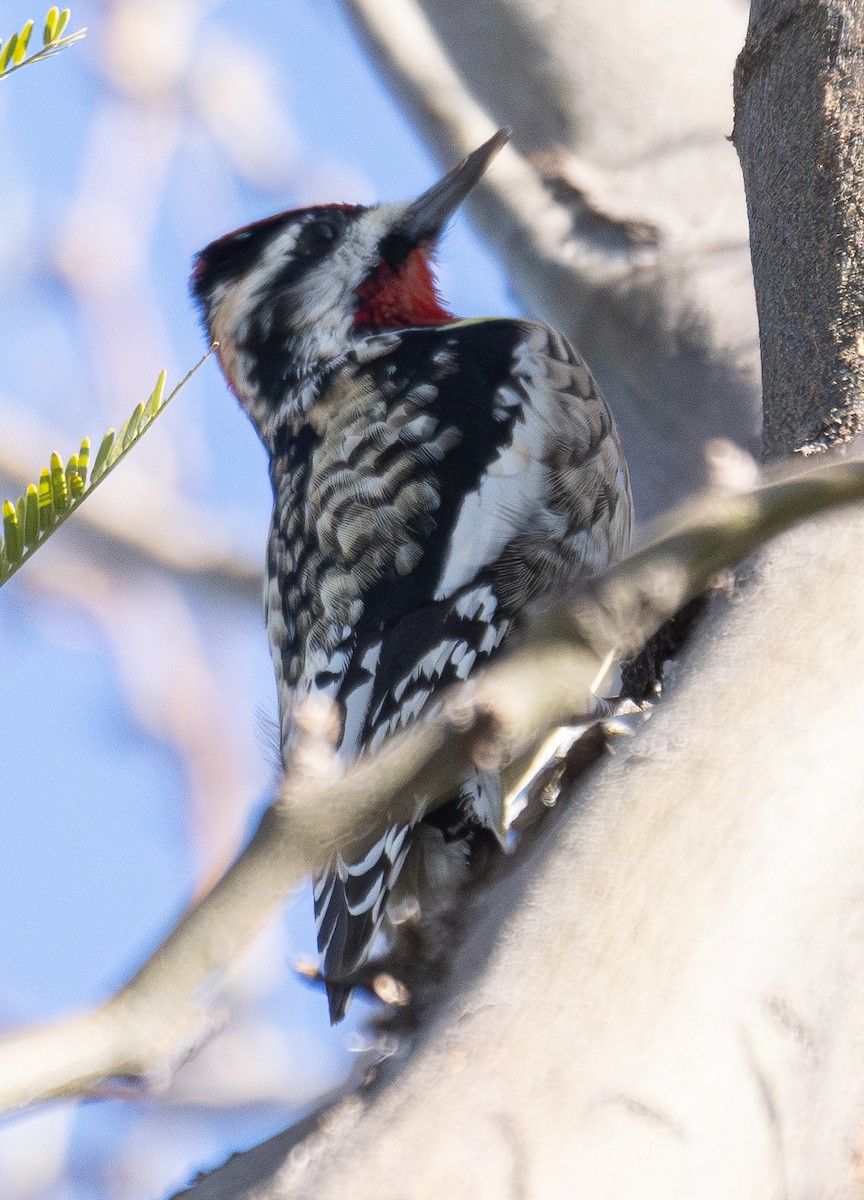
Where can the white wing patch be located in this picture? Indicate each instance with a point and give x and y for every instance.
(357, 705)
(543, 486)
(513, 494)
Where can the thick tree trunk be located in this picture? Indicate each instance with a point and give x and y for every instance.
(664, 1000)
(799, 130)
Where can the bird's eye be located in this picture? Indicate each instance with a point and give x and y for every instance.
(319, 233)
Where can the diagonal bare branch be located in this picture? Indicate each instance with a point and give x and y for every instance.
(161, 1012)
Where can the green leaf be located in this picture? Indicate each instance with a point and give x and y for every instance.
(10, 532)
(157, 397)
(23, 42)
(74, 479)
(117, 448)
(59, 493)
(49, 32)
(129, 430)
(74, 483)
(46, 503)
(31, 516)
(8, 51)
(101, 460)
(62, 22)
(83, 461)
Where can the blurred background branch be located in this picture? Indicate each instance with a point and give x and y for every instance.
(157, 1018)
(589, 210)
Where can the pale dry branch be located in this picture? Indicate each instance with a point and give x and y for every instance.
(161, 1012)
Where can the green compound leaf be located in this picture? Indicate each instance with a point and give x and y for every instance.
(31, 520)
(13, 54)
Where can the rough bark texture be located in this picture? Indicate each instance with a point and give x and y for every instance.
(800, 135)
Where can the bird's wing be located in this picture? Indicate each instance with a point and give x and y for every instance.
(487, 473)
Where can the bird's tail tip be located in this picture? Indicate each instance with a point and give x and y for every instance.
(338, 997)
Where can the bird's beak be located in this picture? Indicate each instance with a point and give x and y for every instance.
(424, 219)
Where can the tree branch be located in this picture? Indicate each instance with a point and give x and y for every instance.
(649, 279)
(158, 1014)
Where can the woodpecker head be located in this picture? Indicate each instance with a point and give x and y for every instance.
(289, 295)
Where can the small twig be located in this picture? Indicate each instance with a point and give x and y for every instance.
(158, 1015)
(46, 52)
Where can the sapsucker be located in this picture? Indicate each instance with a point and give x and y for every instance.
(432, 477)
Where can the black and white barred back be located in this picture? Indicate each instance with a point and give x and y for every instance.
(440, 480)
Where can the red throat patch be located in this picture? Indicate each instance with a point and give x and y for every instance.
(399, 299)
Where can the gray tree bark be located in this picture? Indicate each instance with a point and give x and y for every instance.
(800, 135)
(664, 998)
